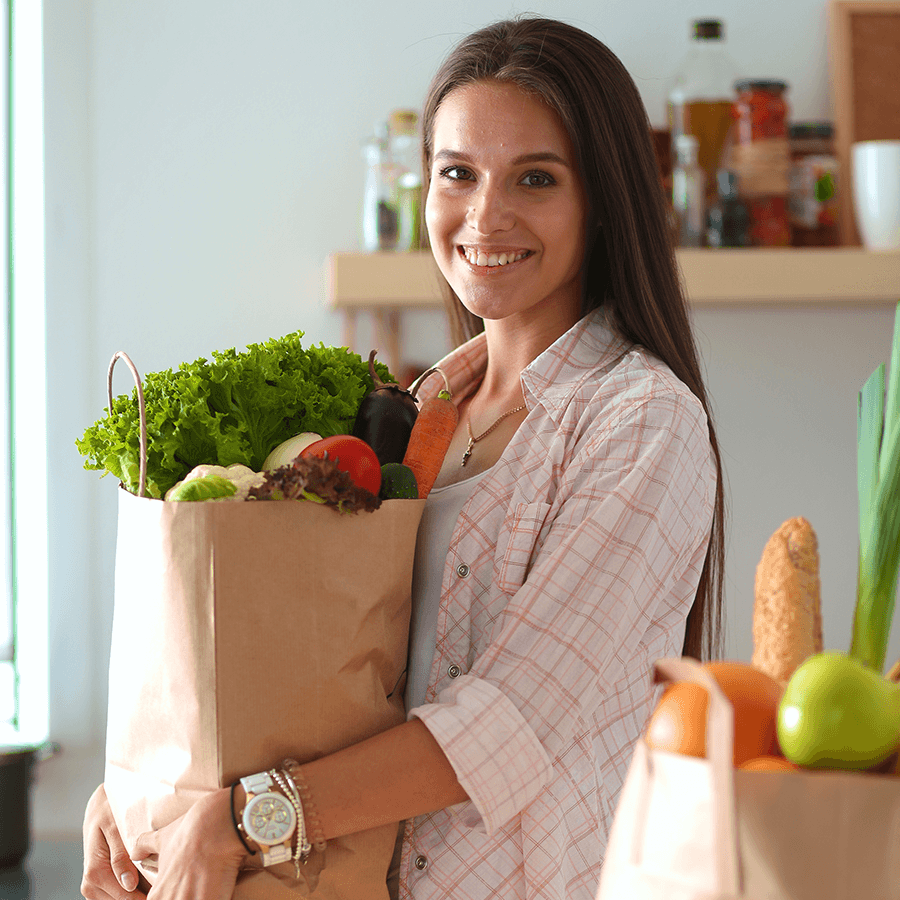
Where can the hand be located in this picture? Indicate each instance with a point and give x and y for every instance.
(109, 874)
(200, 854)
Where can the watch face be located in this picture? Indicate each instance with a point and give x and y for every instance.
(269, 818)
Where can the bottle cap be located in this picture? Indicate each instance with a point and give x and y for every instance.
(821, 130)
(404, 121)
(771, 85)
(727, 182)
(708, 29)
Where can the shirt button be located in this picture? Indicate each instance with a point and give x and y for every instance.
(462, 570)
(454, 671)
(421, 863)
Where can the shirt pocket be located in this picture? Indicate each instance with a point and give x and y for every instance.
(515, 563)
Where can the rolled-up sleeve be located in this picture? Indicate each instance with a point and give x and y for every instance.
(619, 552)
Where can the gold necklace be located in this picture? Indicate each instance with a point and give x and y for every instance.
(474, 440)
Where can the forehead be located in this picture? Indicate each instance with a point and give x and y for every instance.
(496, 116)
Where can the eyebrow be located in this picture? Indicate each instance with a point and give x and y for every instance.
(525, 159)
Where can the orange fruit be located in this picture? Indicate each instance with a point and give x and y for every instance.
(769, 763)
(678, 724)
(754, 697)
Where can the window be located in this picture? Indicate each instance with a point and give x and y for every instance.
(23, 433)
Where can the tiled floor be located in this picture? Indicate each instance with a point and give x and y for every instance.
(51, 871)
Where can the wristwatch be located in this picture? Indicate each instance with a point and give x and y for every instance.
(268, 818)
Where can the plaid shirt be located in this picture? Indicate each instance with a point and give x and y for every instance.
(571, 569)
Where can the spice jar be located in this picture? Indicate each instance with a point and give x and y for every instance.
(812, 204)
(761, 159)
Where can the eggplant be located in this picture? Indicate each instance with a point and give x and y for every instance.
(385, 418)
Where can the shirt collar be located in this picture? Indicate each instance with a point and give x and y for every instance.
(551, 379)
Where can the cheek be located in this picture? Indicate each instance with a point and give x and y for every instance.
(435, 216)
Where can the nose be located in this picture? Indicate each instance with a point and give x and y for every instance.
(490, 209)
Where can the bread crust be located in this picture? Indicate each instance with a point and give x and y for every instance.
(787, 610)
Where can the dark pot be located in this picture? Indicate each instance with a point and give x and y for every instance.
(16, 772)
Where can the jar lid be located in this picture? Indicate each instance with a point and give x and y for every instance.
(773, 86)
(707, 29)
(404, 121)
(811, 130)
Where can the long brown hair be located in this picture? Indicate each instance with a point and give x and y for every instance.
(630, 267)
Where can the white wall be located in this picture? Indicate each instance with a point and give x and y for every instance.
(203, 158)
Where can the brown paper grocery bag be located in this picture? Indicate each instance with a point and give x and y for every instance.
(697, 829)
(244, 633)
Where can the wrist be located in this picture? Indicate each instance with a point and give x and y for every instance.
(237, 801)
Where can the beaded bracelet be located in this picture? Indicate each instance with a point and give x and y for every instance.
(302, 847)
(234, 821)
(311, 813)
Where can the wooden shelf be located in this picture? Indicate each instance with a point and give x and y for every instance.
(385, 284)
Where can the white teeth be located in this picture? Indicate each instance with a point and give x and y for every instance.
(480, 258)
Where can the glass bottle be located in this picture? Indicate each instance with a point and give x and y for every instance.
(728, 221)
(379, 212)
(688, 193)
(406, 155)
(701, 95)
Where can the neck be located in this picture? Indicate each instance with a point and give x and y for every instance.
(511, 347)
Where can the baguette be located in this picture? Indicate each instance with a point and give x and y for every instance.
(787, 612)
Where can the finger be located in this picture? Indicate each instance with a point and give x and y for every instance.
(124, 869)
(107, 878)
(146, 845)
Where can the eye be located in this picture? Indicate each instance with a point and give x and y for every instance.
(538, 179)
(455, 173)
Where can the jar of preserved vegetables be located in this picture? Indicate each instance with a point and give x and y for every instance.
(761, 159)
(813, 204)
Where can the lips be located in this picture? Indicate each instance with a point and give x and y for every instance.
(482, 258)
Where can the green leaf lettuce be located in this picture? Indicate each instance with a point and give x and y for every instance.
(233, 408)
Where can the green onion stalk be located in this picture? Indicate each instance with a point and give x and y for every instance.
(838, 710)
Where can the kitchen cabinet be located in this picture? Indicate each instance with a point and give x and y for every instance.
(384, 285)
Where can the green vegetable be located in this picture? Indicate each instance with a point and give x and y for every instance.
(233, 408)
(398, 482)
(207, 487)
(838, 711)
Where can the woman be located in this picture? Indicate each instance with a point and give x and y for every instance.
(575, 533)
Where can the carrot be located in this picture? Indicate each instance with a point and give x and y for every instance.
(430, 438)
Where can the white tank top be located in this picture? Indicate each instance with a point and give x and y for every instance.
(442, 509)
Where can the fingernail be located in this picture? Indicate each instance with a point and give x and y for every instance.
(129, 881)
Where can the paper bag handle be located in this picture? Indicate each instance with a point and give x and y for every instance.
(720, 755)
(142, 412)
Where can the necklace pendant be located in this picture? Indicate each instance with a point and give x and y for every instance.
(468, 452)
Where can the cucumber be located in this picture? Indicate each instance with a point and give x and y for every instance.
(398, 482)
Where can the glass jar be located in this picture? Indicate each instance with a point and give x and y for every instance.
(380, 219)
(761, 159)
(812, 204)
(406, 155)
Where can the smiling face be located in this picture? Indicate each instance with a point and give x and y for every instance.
(506, 209)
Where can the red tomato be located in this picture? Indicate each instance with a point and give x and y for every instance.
(353, 456)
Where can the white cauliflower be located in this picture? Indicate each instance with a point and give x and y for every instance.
(217, 482)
